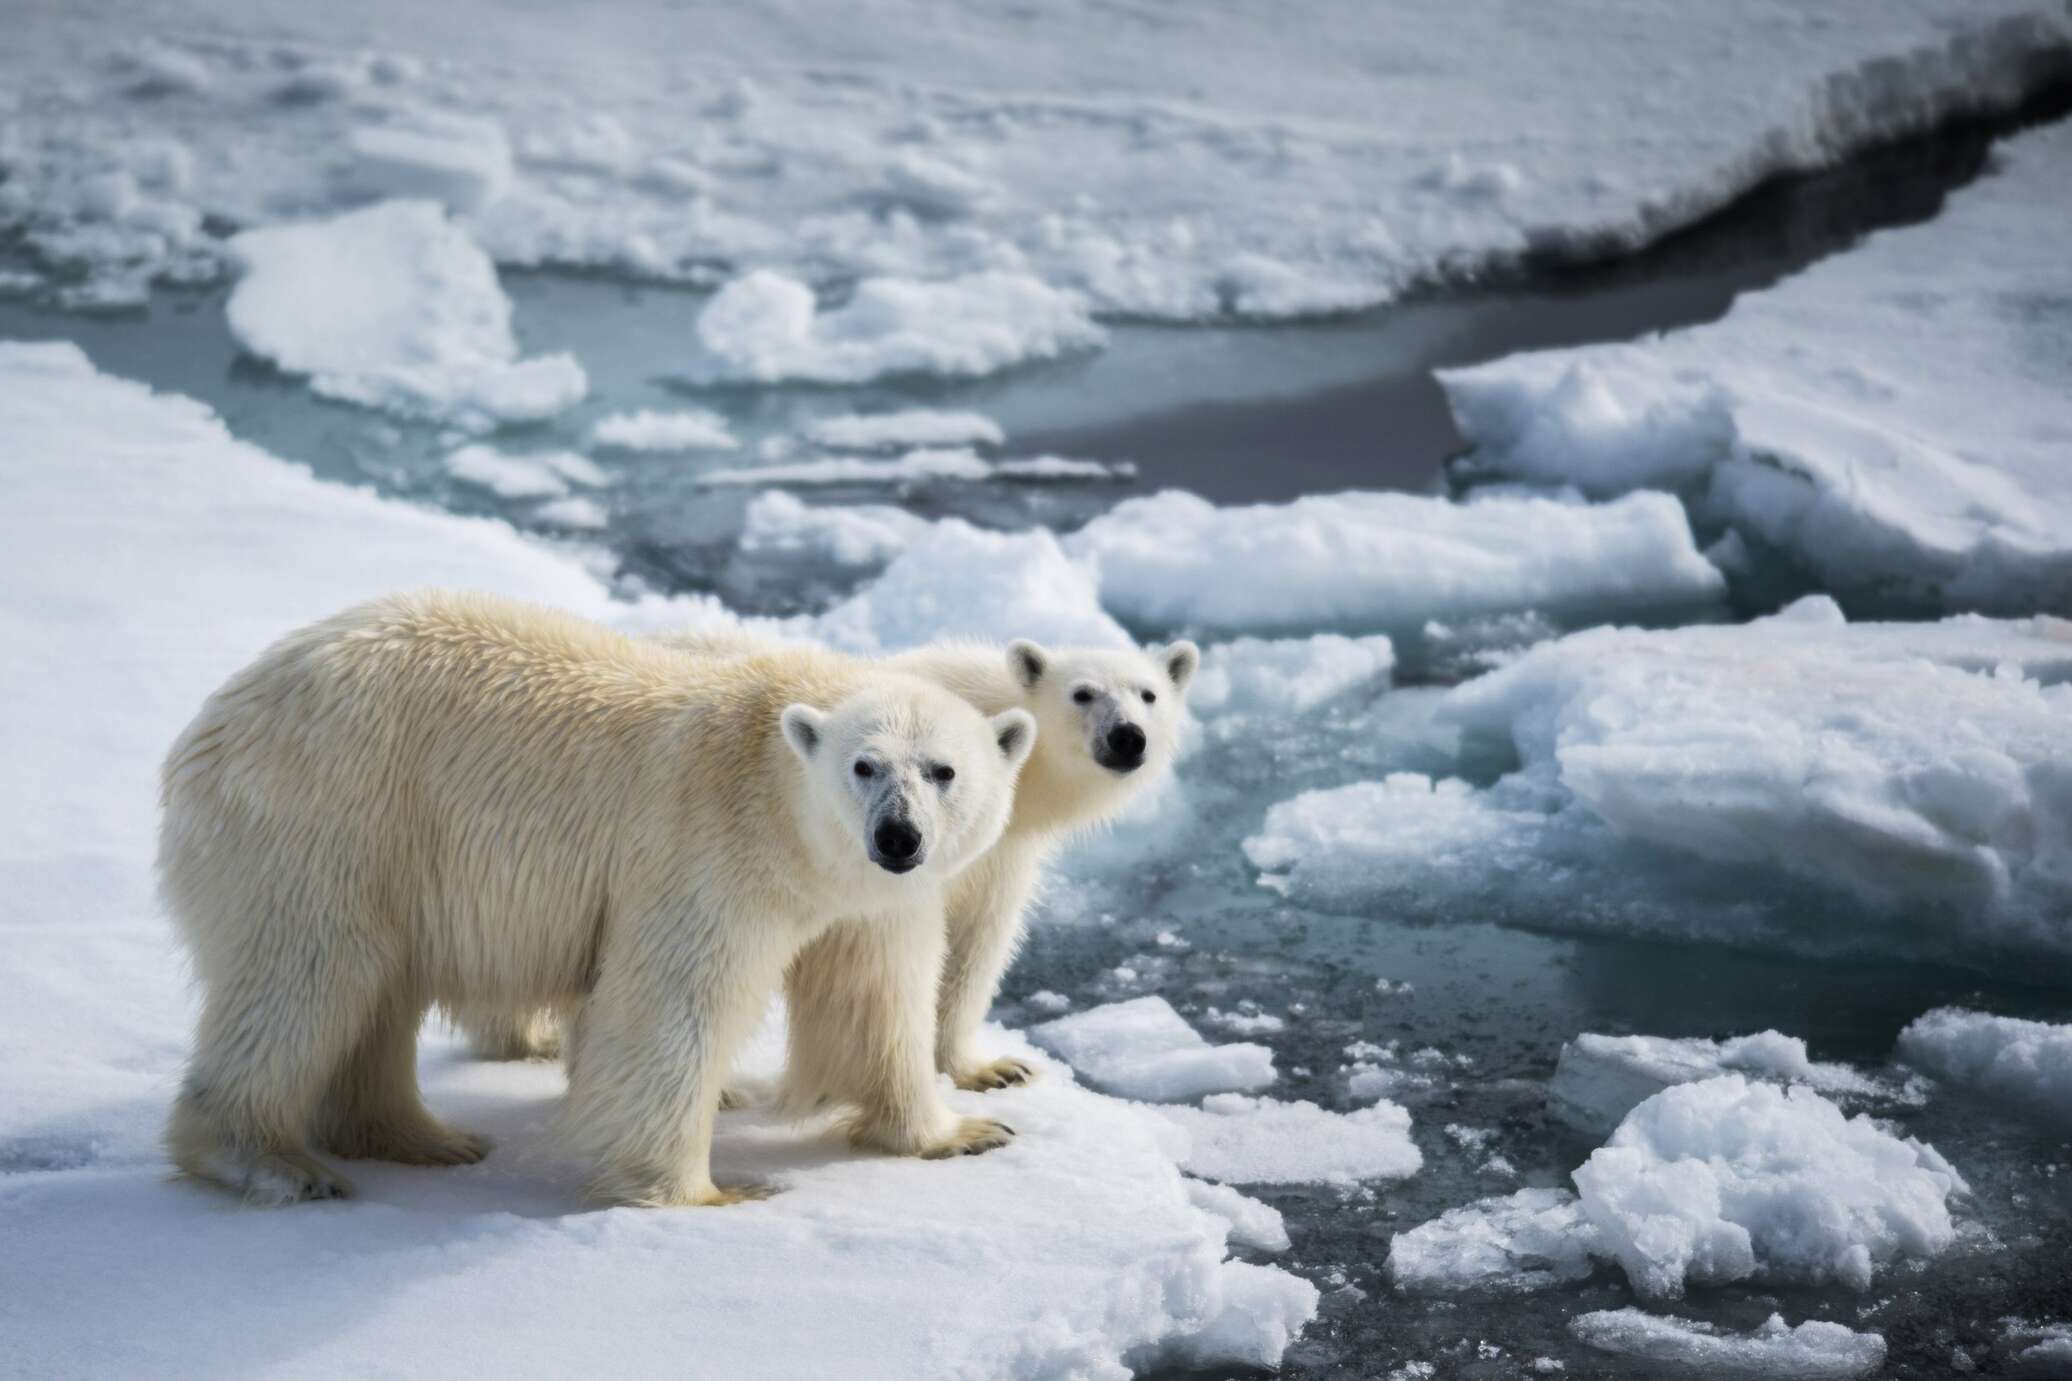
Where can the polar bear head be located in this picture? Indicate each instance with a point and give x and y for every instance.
(915, 779)
(1108, 721)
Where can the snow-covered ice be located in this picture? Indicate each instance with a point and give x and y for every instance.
(1144, 1049)
(907, 429)
(147, 555)
(1724, 1180)
(1214, 162)
(916, 467)
(1813, 1351)
(1290, 675)
(1243, 1140)
(534, 476)
(393, 307)
(766, 328)
(1380, 562)
(1529, 1240)
(1922, 772)
(1252, 1224)
(647, 429)
(1599, 1079)
(2025, 1064)
(783, 524)
(1891, 420)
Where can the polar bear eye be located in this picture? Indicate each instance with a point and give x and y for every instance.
(1082, 696)
(864, 769)
(1150, 697)
(943, 775)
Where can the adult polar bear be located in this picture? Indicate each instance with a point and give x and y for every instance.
(456, 799)
(1108, 724)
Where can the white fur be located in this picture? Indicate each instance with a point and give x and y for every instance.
(1063, 789)
(455, 799)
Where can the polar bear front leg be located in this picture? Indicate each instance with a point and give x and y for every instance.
(674, 1002)
(862, 1031)
(986, 909)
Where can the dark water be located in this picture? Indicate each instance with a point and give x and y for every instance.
(1266, 413)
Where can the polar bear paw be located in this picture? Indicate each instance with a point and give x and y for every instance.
(996, 1074)
(428, 1143)
(278, 1178)
(974, 1136)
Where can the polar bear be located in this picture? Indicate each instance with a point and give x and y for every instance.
(458, 799)
(1109, 725)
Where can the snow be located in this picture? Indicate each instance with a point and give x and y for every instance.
(684, 429)
(2025, 1064)
(1921, 772)
(1725, 1180)
(1891, 420)
(1529, 1240)
(1290, 675)
(1243, 1140)
(764, 328)
(1380, 562)
(1599, 1079)
(1252, 1224)
(147, 554)
(910, 428)
(917, 467)
(393, 307)
(576, 512)
(1252, 164)
(1144, 1049)
(546, 475)
(779, 523)
(1813, 1351)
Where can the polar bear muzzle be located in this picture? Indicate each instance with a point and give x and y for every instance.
(896, 846)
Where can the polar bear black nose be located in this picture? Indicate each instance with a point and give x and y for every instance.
(895, 842)
(1126, 741)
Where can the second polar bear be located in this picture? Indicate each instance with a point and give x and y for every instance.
(1109, 723)
(457, 799)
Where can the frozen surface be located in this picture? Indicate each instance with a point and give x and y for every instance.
(1241, 1140)
(1725, 1180)
(1921, 772)
(765, 328)
(1249, 162)
(1145, 1049)
(1600, 1079)
(2026, 1064)
(1529, 1240)
(685, 429)
(915, 467)
(535, 476)
(1289, 675)
(1813, 1351)
(393, 307)
(1374, 562)
(1892, 420)
(147, 555)
(779, 523)
(908, 428)
(1252, 1224)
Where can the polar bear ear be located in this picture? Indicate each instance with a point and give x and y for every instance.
(802, 729)
(1181, 660)
(1027, 661)
(1015, 732)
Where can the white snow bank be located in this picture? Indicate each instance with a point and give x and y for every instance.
(964, 582)
(1599, 1079)
(912, 428)
(1814, 1351)
(778, 523)
(1144, 1049)
(764, 328)
(393, 307)
(1529, 1240)
(2027, 1064)
(1891, 420)
(1921, 772)
(1241, 1140)
(1290, 675)
(683, 429)
(1725, 1180)
(917, 467)
(144, 556)
(540, 475)
(1390, 562)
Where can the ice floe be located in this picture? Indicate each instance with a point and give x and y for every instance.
(1890, 421)
(1813, 1351)
(910, 428)
(1144, 1049)
(393, 307)
(1242, 1140)
(683, 429)
(2025, 1064)
(1529, 1240)
(783, 524)
(917, 467)
(1290, 675)
(536, 476)
(1599, 1079)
